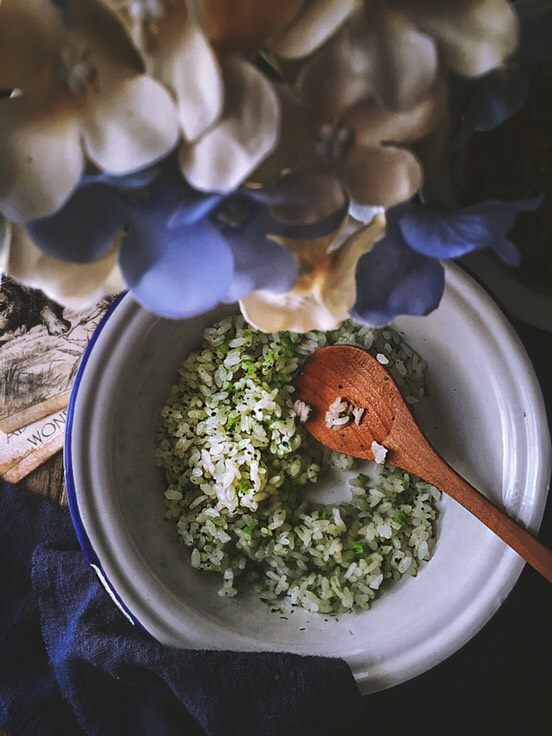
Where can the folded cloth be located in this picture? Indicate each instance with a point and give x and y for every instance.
(70, 662)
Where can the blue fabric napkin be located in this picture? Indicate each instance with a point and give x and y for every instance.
(70, 663)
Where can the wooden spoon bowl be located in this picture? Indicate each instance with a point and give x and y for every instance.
(355, 375)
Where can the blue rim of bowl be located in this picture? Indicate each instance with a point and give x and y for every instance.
(83, 539)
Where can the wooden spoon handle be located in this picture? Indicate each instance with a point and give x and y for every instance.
(510, 531)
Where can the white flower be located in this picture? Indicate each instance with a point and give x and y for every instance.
(228, 111)
(313, 26)
(324, 293)
(246, 134)
(175, 51)
(80, 94)
(74, 285)
(396, 48)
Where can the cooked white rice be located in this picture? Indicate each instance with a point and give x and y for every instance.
(379, 452)
(237, 461)
(340, 413)
(302, 410)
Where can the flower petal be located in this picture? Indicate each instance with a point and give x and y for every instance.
(398, 61)
(296, 147)
(30, 36)
(5, 241)
(473, 37)
(393, 280)
(136, 180)
(260, 263)
(373, 124)
(93, 22)
(444, 234)
(246, 134)
(322, 296)
(41, 157)
(328, 82)
(364, 213)
(292, 311)
(129, 124)
(186, 63)
(177, 273)
(83, 230)
(245, 25)
(194, 209)
(75, 285)
(165, 197)
(496, 97)
(381, 177)
(314, 25)
(304, 196)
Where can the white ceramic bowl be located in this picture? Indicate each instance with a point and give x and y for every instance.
(485, 414)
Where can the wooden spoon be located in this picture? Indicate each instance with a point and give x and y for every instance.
(352, 373)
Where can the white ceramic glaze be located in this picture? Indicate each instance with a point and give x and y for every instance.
(485, 414)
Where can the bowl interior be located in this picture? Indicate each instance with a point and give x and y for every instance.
(484, 414)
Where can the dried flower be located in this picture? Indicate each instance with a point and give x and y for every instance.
(245, 26)
(367, 146)
(75, 285)
(324, 292)
(299, 121)
(228, 110)
(487, 102)
(81, 95)
(176, 51)
(403, 273)
(180, 251)
(395, 50)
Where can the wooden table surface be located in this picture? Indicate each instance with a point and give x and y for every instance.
(47, 480)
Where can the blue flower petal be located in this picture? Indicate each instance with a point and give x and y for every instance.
(501, 93)
(497, 96)
(159, 201)
(447, 234)
(507, 251)
(260, 265)
(177, 273)
(191, 211)
(83, 230)
(259, 262)
(392, 279)
(485, 103)
(137, 180)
